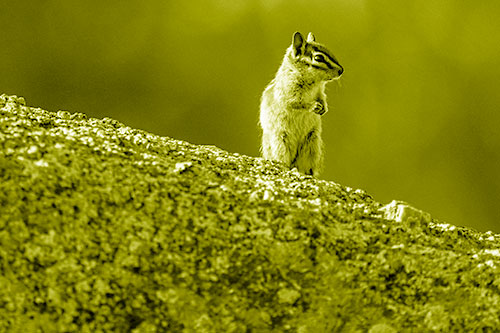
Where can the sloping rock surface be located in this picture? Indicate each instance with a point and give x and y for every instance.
(105, 228)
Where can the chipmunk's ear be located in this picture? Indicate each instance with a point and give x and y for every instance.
(297, 44)
(311, 38)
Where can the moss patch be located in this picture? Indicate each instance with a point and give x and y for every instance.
(107, 228)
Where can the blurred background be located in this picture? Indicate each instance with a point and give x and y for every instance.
(415, 116)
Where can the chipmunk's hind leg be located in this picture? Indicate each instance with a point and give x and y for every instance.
(277, 148)
(310, 153)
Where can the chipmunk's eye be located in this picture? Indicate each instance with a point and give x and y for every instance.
(319, 58)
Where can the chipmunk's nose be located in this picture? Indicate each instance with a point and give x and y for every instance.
(340, 71)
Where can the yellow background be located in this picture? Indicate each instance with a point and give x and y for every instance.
(416, 116)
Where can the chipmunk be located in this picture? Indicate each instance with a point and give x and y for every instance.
(293, 103)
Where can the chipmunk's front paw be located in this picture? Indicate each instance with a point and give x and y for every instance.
(318, 108)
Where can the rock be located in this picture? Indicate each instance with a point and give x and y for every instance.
(108, 228)
(401, 211)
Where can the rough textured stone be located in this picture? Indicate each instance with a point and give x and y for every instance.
(105, 228)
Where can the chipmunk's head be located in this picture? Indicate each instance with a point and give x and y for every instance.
(313, 59)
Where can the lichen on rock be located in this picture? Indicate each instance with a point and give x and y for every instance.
(107, 228)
